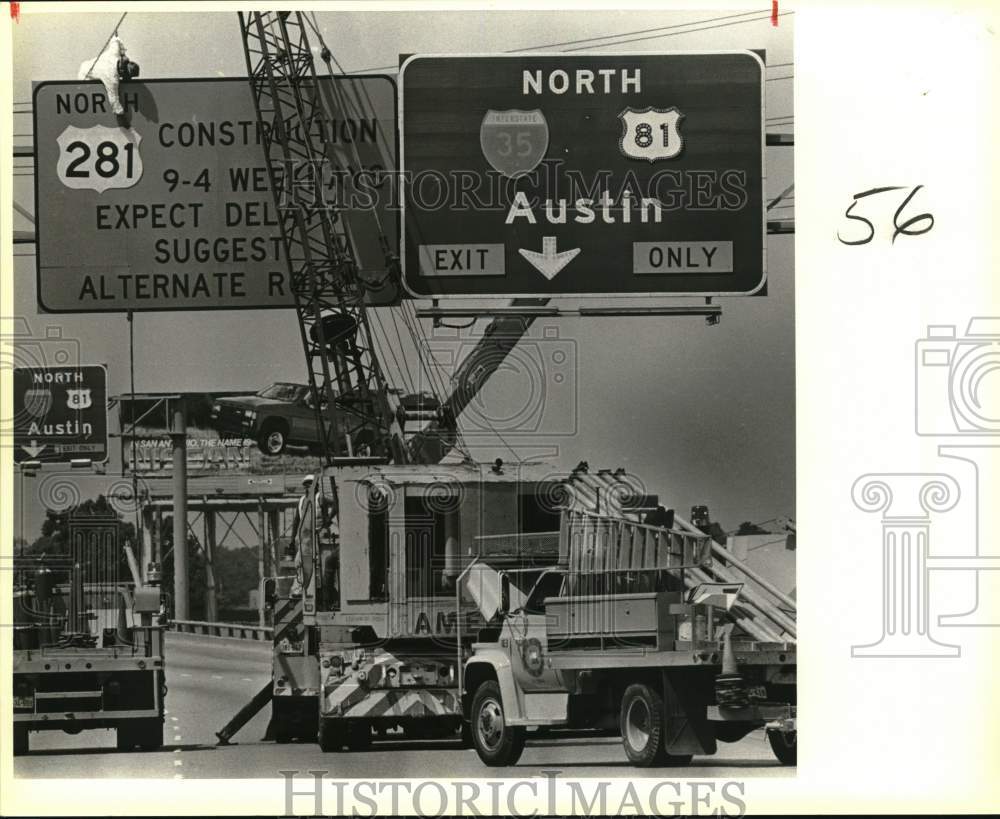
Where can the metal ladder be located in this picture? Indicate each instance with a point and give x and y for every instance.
(764, 612)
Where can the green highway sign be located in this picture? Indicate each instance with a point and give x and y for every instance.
(544, 175)
(60, 414)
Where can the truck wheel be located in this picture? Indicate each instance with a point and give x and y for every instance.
(784, 746)
(306, 728)
(20, 740)
(149, 734)
(273, 438)
(497, 743)
(331, 735)
(642, 720)
(359, 735)
(281, 722)
(124, 737)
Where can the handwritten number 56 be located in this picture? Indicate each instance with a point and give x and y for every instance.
(906, 228)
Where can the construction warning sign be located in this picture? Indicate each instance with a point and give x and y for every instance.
(169, 206)
(548, 175)
(60, 414)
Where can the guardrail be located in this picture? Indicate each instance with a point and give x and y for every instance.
(239, 631)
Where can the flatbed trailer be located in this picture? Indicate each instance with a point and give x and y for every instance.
(618, 637)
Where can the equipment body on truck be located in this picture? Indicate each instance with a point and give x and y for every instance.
(619, 635)
(379, 619)
(88, 653)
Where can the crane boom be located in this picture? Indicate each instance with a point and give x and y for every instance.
(438, 438)
(350, 397)
(345, 377)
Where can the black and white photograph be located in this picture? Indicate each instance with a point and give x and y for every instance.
(406, 408)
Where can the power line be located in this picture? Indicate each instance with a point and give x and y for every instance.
(628, 34)
(676, 33)
(641, 31)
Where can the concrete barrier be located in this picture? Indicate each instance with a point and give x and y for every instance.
(238, 631)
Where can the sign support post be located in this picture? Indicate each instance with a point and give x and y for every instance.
(211, 606)
(178, 440)
(261, 559)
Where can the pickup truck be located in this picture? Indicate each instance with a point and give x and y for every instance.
(283, 415)
(275, 417)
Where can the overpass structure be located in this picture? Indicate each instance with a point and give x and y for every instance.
(223, 510)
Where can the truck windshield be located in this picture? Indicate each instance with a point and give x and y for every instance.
(281, 392)
(548, 585)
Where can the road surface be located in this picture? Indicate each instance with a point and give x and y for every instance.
(210, 679)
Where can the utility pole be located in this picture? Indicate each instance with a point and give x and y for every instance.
(178, 441)
(261, 560)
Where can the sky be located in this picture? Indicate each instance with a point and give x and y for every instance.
(700, 414)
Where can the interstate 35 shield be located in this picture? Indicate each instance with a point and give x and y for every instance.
(651, 133)
(38, 402)
(514, 141)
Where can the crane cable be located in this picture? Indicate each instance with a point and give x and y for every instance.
(436, 384)
(114, 31)
(342, 103)
(432, 367)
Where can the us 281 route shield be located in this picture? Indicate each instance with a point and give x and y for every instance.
(554, 175)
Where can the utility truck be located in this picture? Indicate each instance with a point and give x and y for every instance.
(629, 631)
(481, 602)
(379, 614)
(88, 647)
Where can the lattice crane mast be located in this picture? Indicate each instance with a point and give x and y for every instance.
(349, 392)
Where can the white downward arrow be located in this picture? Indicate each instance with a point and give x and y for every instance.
(548, 262)
(34, 449)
